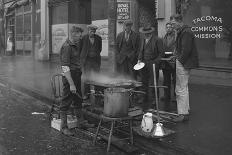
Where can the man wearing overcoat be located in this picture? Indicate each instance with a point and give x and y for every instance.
(127, 45)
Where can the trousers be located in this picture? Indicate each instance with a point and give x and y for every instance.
(68, 97)
(182, 92)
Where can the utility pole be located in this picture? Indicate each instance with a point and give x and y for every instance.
(112, 18)
(2, 35)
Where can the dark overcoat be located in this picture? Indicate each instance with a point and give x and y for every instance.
(85, 47)
(186, 49)
(132, 55)
(157, 49)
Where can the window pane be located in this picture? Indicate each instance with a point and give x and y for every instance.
(27, 23)
(215, 45)
(19, 24)
(19, 9)
(38, 4)
(27, 7)
(37, 23)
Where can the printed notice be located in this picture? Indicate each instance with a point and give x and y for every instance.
(123, 10)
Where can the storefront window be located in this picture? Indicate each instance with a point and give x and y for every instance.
(212, 25)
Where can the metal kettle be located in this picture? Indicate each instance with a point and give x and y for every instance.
(147, 122)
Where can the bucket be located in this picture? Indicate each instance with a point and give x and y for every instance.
(116, 102)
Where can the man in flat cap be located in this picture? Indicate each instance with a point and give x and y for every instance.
(90, 55)
(127, 44)
(151, 51)
(71, 68)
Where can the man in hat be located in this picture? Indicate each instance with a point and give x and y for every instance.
(151, 51)
(90, 55)
(186, 59)
(71, 68)
(127, 44)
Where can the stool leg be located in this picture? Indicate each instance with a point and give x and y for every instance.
(98, 128)
(131, 133)
(110, 136)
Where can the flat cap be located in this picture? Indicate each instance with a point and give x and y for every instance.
(92, 27)
(76, 29)
(128, 22)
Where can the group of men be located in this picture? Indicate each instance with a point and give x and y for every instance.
(83, 54)
(176, 54)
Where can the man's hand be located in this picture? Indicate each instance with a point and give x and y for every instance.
(73, 89)
(172, 59)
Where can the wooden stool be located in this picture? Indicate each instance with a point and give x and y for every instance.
(113, 122)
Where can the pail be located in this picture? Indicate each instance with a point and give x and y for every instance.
(116, 102)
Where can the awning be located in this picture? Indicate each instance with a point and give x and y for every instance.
(57, 2)
(16, 3)
(12, 5)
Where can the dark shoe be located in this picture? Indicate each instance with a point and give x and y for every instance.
(84, 125)
(181, 118)
(67, 132)
(63, 124)
(88, 125)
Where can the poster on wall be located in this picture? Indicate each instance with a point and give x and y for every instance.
(59, 35)
(123, 10)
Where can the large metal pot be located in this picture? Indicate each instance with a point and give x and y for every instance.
(116, 102)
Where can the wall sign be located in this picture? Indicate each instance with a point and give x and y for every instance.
(212, 30)
(123, 10)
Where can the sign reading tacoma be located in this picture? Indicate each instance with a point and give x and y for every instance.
(212, 29)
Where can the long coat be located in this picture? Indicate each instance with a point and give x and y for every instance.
(186, 49)
(120, 57)
(85, 47)
(157, 49)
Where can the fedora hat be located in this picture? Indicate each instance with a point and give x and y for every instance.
(128, 22)
(146, 29)
(92, 27)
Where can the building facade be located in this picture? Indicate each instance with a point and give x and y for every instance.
(38, 28)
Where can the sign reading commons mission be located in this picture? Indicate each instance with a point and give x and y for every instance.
(123, 10)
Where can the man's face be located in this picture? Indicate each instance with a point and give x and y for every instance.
(147, 35)
(169, 28)
(91, 32)
(76, 36)
(127, 28)
(176, 25)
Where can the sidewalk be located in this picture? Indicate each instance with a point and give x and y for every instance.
(207, 132)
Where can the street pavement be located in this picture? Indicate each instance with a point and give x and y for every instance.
(207, 132)
(25, 130)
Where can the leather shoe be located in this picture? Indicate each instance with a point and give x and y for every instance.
(181, 118)
(67, 132)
